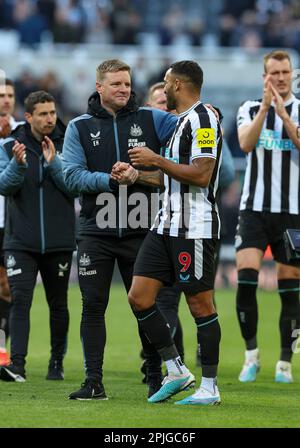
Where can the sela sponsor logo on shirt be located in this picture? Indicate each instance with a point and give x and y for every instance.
(136, 130)
(62, 268)
(95, 138)
(84, 260)
(273, 141)
(206, 139)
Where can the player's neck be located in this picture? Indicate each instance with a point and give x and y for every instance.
(186, 103)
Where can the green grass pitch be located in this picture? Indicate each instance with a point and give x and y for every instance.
(43, 404)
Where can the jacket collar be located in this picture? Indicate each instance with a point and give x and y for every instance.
(23, 132)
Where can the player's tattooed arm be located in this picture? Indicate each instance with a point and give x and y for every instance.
(154, 178)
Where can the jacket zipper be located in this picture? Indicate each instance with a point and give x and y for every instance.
(41, 197)
(118, 158)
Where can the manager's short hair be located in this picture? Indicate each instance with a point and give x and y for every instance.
(111, 66)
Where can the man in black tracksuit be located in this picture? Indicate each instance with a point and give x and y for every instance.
(39, 230)
(94, 142)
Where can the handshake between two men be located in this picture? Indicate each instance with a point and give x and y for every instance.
(126, 174)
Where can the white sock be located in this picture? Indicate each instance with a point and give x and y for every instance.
(209, 384)
(251, 354)
(175, 366)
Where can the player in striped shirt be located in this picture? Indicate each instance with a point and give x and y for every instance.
(270, 204)
(180, 248)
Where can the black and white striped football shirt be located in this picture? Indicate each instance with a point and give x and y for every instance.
(272, 182)
(189, 211)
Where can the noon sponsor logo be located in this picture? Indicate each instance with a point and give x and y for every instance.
(205, 137)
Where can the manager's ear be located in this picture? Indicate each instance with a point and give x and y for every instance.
(28, 117)
(98, 87)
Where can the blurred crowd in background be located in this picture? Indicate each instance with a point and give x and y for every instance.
(247, 25)
(244, 23)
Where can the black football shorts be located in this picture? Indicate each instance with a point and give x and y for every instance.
(260, 229)
(186, 263)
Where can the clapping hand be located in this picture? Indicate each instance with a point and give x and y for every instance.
(268, 93)
(279, 103)
(19, 153)
(48, 149)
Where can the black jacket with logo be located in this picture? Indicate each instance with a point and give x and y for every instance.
(40, 210)
(94, 142)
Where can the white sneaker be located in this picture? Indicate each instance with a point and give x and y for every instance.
(251, 366)
(283, 372)
(171, 385)
(202, 396)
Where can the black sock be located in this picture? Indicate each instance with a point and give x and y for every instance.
(178, 339)
(289, 317)
(157, 331)
(246, 306)
(151, 355)
(209, 336)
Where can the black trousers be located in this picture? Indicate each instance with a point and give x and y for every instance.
(22, 269)
(96, 261)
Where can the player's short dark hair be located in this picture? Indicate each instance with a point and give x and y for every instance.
(111, 66)
(279, 55)
(190, 71)
(37, 97)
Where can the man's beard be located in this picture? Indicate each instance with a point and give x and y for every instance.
(171, 103)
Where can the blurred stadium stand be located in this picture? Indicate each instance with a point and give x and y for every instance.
(56, 45)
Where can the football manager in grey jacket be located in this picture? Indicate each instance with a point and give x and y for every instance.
(39, 230)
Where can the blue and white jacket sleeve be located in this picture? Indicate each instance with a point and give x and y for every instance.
(55, 169)
(164, 124)
(11, 173)
(77, 177)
